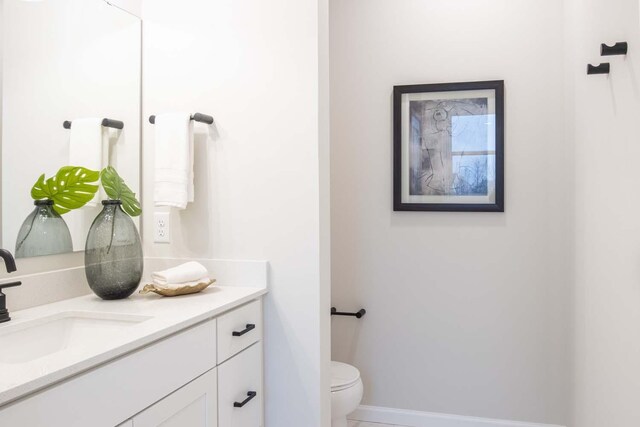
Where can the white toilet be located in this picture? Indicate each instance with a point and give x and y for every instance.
(346, 392)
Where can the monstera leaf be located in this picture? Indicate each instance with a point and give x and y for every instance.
(116, 189)
(69, 189)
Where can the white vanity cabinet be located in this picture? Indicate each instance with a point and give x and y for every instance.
(194, 405)
(208, 375)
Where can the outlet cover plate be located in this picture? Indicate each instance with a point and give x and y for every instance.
(161, 227)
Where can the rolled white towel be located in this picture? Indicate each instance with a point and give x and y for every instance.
(188, 273)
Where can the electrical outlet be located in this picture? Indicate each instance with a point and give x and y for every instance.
(161, 227)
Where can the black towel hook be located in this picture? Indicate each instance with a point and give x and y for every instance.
(198, 117)
(603, 68)
(620, 48)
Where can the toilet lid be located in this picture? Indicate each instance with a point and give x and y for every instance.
(343, 376)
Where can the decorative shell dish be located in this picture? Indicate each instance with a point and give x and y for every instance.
(172, 291)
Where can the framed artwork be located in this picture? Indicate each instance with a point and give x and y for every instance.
(448, 147)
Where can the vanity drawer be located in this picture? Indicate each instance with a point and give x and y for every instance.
(240, 389)
(239, 329)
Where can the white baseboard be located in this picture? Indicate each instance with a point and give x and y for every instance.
(407, 418)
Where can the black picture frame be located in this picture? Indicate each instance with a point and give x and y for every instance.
(497, 205)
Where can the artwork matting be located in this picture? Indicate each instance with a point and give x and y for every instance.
(449, 147)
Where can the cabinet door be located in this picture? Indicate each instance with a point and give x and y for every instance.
(194, 405)
(240, 389)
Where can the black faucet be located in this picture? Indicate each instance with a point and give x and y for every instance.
(10, 264)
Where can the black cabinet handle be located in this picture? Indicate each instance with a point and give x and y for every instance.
(251, 395)
(249, 327)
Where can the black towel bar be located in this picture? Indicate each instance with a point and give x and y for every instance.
(108, 123)
(358, 314)
(198, 117)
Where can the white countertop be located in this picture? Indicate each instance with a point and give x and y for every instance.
(167, 316)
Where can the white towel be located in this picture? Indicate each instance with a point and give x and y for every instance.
(189, 273)
(86, 142)
(173, 184)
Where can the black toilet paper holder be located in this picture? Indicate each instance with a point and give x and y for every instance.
(358, 314)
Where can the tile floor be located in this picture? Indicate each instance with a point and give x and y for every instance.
(367, 424)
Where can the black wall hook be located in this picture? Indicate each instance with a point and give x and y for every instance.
(108, 123)
(620, 48)
(358, 314)
(603, 68)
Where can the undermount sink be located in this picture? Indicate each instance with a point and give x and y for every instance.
(48, 335)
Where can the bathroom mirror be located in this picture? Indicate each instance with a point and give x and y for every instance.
(74, 61)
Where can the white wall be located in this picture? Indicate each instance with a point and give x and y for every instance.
(607, 295)
(254, 66)
(132, 6)
(467, 313)
(324, 176)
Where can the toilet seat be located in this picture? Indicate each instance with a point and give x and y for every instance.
(346, 392)
(343, 376)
